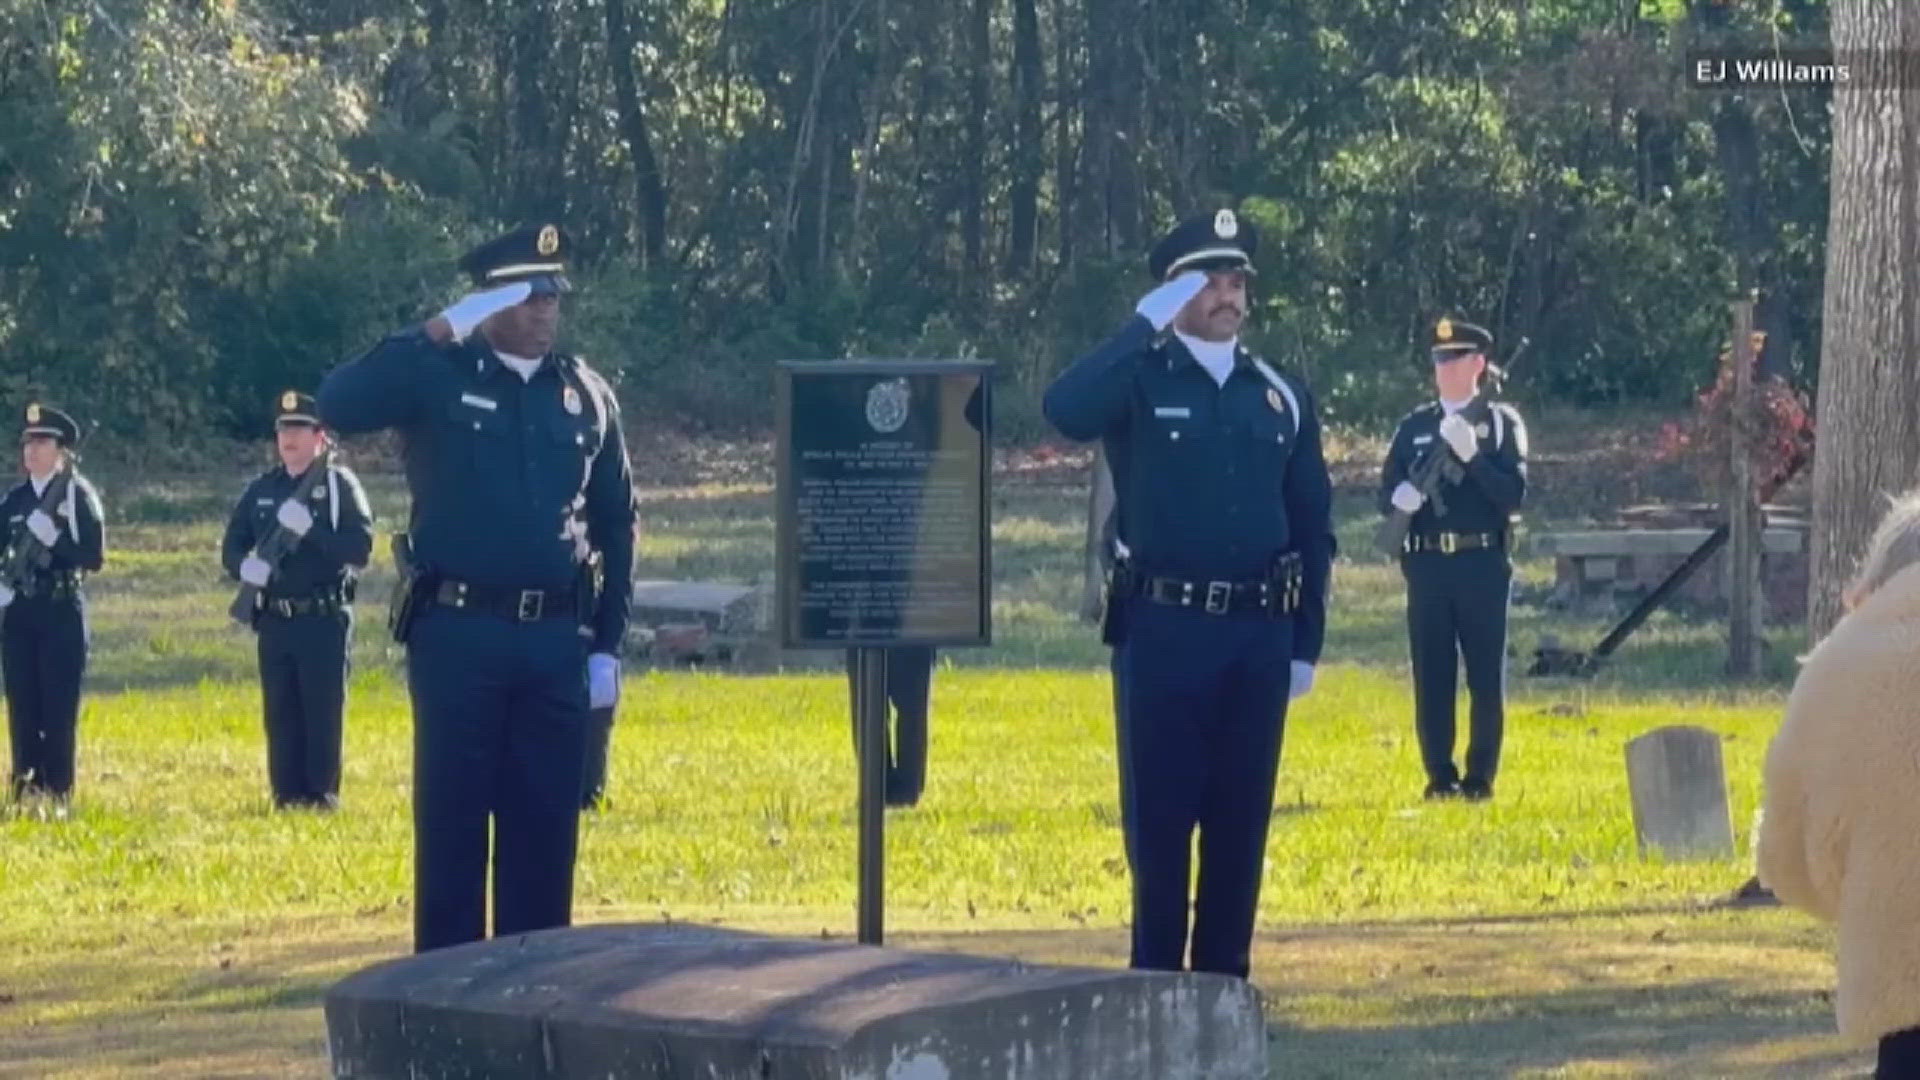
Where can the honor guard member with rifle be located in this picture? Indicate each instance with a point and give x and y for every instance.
(56, 535)
(1469, 455)
(297, 539)
(518, 470)
(1216, 603)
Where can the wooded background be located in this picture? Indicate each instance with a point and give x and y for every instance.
(203, 201)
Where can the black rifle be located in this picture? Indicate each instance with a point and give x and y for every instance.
(281, 541)
(1438, 464)
(27, 553)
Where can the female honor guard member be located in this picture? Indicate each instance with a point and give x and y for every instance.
(1217, 601)
(304, 623)
(43, 634)
(1459, 577)
(518, 472)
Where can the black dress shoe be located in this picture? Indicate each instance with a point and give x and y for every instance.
(1476, 790)
(1442, 790)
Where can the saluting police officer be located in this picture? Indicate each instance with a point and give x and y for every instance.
(518, 469)
(304, 623)
(43, 634)
(1457, 567)
(1217, 599)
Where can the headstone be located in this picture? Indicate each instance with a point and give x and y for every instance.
(1679, 789)
(679, 1002)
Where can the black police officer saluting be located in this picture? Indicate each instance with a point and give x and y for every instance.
(1459, 577)
(518, 469)
(1217, 604)
(43, 634)
(304, 622)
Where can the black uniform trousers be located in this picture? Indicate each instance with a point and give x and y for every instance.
(499, 722)
(1201, 702)
(593, 782)
(43, 655)
(1457, 612)
(909, 683)
(303, 685)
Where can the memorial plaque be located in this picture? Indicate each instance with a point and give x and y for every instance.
(883, 479)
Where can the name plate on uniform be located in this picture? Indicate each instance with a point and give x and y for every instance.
(884, 473)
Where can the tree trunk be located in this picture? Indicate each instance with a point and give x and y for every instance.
(974, 211)
(1869, 430)
(1027, 153)
(1065, 145)
(649, 190)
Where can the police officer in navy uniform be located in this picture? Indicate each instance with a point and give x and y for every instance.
(43, 634)
(304, 623)
(1216, 603)
(1456, 564)
(518, 470)
(909, 684)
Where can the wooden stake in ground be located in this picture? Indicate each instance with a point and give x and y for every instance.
(1746, 522)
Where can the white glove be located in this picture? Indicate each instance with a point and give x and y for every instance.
(1459, 435)
(1163, 303)
(475, 308)
(42, 527)
(1302, 680)
(255, 571)
(298, 519)
(603, 680)
(6, 595)
(1407, 498)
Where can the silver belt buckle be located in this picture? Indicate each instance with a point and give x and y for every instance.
(1218, 594)
(532, 601)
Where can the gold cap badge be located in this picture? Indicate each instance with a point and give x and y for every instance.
(288, 400)
(33, 414)
(1225, 225)
(549, 241)
(1444, 331)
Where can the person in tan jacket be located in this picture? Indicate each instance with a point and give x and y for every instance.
(1839, 834)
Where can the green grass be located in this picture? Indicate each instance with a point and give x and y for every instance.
(176, 927)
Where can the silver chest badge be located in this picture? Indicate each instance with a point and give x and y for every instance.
(887, 406)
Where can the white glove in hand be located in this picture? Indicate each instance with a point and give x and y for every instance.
(1407, 498)
(1459, 435)
(1165, 302)
(1302, 680)
(475, 308)
(603, 680)
(297, 519)
(42, 527)
(6, 595)
(255, 571)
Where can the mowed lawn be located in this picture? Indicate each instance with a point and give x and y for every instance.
(176, 927)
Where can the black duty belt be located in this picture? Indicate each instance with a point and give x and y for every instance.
(52, 584)
(288, 607)
(1449, 543)
(1278, 594)
(519, 605)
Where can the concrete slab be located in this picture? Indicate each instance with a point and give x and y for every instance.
(684, 1001)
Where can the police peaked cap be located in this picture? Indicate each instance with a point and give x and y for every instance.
(293, 407)
(1221, 240)
(51, 422)
(1452, 335)
(536, 254)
